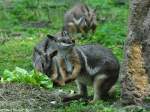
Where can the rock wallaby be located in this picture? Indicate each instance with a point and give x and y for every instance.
(87, 64)
(50, 57)
(80, 19)
(91, 65)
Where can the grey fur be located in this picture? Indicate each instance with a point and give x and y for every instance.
(81, 18)
(96, 58)
(41, 54)
(99, 67)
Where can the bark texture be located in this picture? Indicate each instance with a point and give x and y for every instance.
(136, 66)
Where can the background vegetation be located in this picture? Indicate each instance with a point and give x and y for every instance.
(24, 23)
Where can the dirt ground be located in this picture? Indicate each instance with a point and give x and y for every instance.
(26, 98)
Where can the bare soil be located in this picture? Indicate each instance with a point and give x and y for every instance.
(26, 98)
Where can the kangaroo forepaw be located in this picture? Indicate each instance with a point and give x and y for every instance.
(59, 83)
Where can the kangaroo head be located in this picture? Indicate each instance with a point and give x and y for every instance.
(66, 43)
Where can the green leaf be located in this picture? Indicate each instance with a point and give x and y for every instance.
(7, 74)
(20, 70)
(22, 76)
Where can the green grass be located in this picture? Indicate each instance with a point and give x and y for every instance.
(17, 51)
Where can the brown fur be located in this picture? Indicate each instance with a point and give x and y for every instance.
(75, 61)
(80, 19)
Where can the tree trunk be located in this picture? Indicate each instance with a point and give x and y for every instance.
(135, 72)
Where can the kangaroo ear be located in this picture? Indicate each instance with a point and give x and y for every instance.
(85, 8)
(51, 37)
(54, 53)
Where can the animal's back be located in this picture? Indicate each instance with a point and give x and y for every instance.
(96, 58)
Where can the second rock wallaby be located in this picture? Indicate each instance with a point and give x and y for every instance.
(80, 19)
(92, 65)
(50, 58)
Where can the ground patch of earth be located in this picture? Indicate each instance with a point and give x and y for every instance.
(26, 98)
(16, 97)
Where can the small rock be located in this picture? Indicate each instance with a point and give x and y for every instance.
(53, 102)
